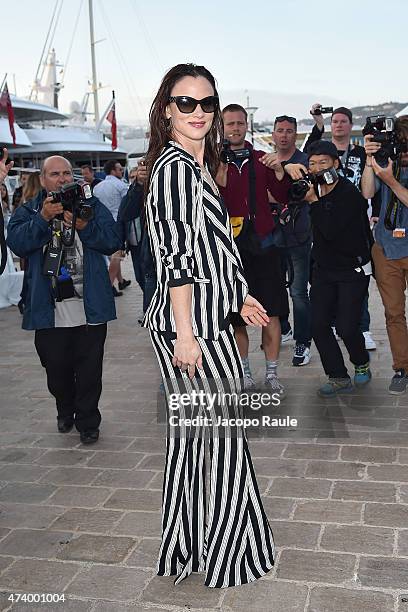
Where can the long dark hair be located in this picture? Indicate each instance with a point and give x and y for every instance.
(160, 134)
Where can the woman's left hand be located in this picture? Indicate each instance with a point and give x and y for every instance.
(254, 313)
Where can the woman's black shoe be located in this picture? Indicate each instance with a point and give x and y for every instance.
(115, 292)
(89, 437)
(65, 424)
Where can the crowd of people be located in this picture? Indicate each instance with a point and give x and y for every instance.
(217, 238)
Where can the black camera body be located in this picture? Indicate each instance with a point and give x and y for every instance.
(299, 188)
(73, 197)
(323, 110)
(228, 156)
(383, 131)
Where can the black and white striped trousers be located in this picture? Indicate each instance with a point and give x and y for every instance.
(227, 535)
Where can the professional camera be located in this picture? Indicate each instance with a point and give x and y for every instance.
(383, 130)
(322, 110)
(73, 198)
(228, 156)
(299, 188)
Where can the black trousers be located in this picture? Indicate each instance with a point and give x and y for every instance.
(338, 295)
(72, 358)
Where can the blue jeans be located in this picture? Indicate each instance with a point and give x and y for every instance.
(299, 293)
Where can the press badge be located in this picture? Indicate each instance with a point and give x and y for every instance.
(398, 232)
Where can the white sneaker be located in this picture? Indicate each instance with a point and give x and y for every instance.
(249, 382)
(369, 342)
(287, 337)
(301, 355)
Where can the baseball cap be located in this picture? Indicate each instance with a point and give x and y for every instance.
(322, 147)
(344, 111)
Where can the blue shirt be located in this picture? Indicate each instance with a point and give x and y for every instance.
(110, 192)
(394, 248)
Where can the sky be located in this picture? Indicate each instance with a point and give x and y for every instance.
(284, 54)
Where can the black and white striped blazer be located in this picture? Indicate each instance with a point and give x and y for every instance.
(192, 242)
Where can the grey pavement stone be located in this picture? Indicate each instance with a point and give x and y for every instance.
(3, 532)
(129, 499)
(27, 515)
(385, 572)
(5, 562)
(109, 606)
(293, 534)
(323, 599)
(38, 576)
(278, 508)
(364, 491)
(57, 440)
(403, 455)
(386, 515)
(142, 524)
(265, 595)
(403, 542)
(358, 539)
(26, 492)
(93, 521)
(315, 566)
(260, 448)
(395, 473)
(20, 455)
(368, 454)
(311, 451)
(96, 548)
(133, 479)
(152, 462)
(64, 457)
(189, 594)
(156, 483)
(123, 460)
(300, 487)
(63, 475)
(403, 494)
(111, 443)
(145, 554)
(279, 467)
(335, 470)
(328, 511)
(394, 439)
(78, 496)
(147, 445)
(34, 543)
(109, 582)
(22, 473)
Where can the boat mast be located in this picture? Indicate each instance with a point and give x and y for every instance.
(94, 79)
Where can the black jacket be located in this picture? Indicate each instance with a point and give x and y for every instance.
(341, 231)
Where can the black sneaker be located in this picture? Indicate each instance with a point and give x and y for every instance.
(301, 355)
(124, 284)
(115, 292)
(399, 383)
(89, 437)
(65, 424)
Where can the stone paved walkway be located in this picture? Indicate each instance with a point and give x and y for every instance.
(85, 521)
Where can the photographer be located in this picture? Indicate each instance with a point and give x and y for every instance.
(297, 241)
(341, 254)
(244, 183)
(353, 160)
(390, 251)
(68, 307)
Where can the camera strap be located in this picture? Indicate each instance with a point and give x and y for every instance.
(252, 187)
(344, 160)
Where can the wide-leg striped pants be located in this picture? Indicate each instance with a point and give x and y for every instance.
(227, 536)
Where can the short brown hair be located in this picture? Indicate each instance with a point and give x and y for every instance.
(233, 108)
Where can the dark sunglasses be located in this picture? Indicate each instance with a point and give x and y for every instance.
(285, 118)
(186, 105)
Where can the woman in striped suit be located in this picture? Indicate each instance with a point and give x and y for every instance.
(199, 281)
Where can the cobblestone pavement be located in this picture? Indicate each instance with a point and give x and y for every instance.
(84, 522)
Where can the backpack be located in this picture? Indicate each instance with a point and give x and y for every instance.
(129, 215)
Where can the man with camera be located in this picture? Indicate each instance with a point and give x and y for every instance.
(341, 255)
(245, 176)
(297, 243)
(352, 162)
(64, 233)
(386, 172)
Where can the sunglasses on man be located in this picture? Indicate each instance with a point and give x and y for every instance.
(187, 105)
(285, 118)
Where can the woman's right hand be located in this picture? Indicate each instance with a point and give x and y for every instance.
(187, 355)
